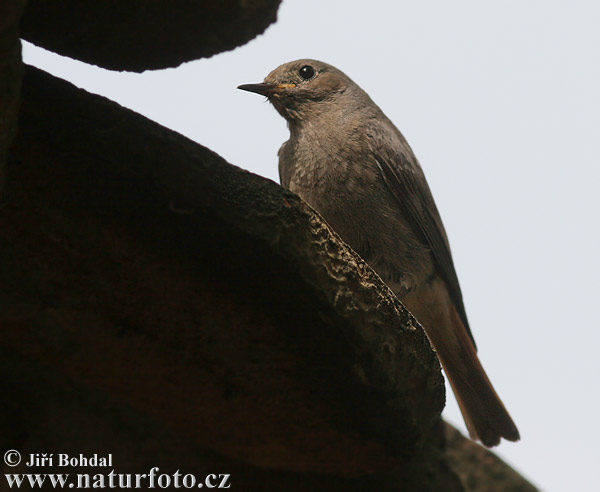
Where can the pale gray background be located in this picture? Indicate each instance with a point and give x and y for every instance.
(500, 102)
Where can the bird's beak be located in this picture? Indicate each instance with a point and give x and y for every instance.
(265, 89)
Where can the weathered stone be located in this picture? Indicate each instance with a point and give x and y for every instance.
(138, 35)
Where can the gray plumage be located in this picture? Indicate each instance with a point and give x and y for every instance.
(348, 161)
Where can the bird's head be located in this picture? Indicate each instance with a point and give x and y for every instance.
(304, 89)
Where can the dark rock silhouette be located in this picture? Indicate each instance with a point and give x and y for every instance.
(136, 36)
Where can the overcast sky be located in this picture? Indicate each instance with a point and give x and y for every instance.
(501, 103)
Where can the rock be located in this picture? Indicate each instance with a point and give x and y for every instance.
(479, 469)
(143, 35)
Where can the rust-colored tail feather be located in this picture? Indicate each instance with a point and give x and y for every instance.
(485, 415)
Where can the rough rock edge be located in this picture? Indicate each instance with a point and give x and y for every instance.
(149, 35)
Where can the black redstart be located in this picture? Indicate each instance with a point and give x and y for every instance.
(347, 160)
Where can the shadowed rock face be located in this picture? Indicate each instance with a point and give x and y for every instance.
(142, 35)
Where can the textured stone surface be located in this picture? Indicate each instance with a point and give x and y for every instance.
(137, 35)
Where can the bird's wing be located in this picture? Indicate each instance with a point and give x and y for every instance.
(405, 179)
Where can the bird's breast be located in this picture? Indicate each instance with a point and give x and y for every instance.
(345, 186)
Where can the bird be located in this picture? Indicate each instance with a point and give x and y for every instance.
(350, 163)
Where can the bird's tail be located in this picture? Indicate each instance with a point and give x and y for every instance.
(485, 415)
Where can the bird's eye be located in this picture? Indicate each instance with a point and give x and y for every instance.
(307, 72)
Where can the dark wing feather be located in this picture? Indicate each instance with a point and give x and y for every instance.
(405, 179)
